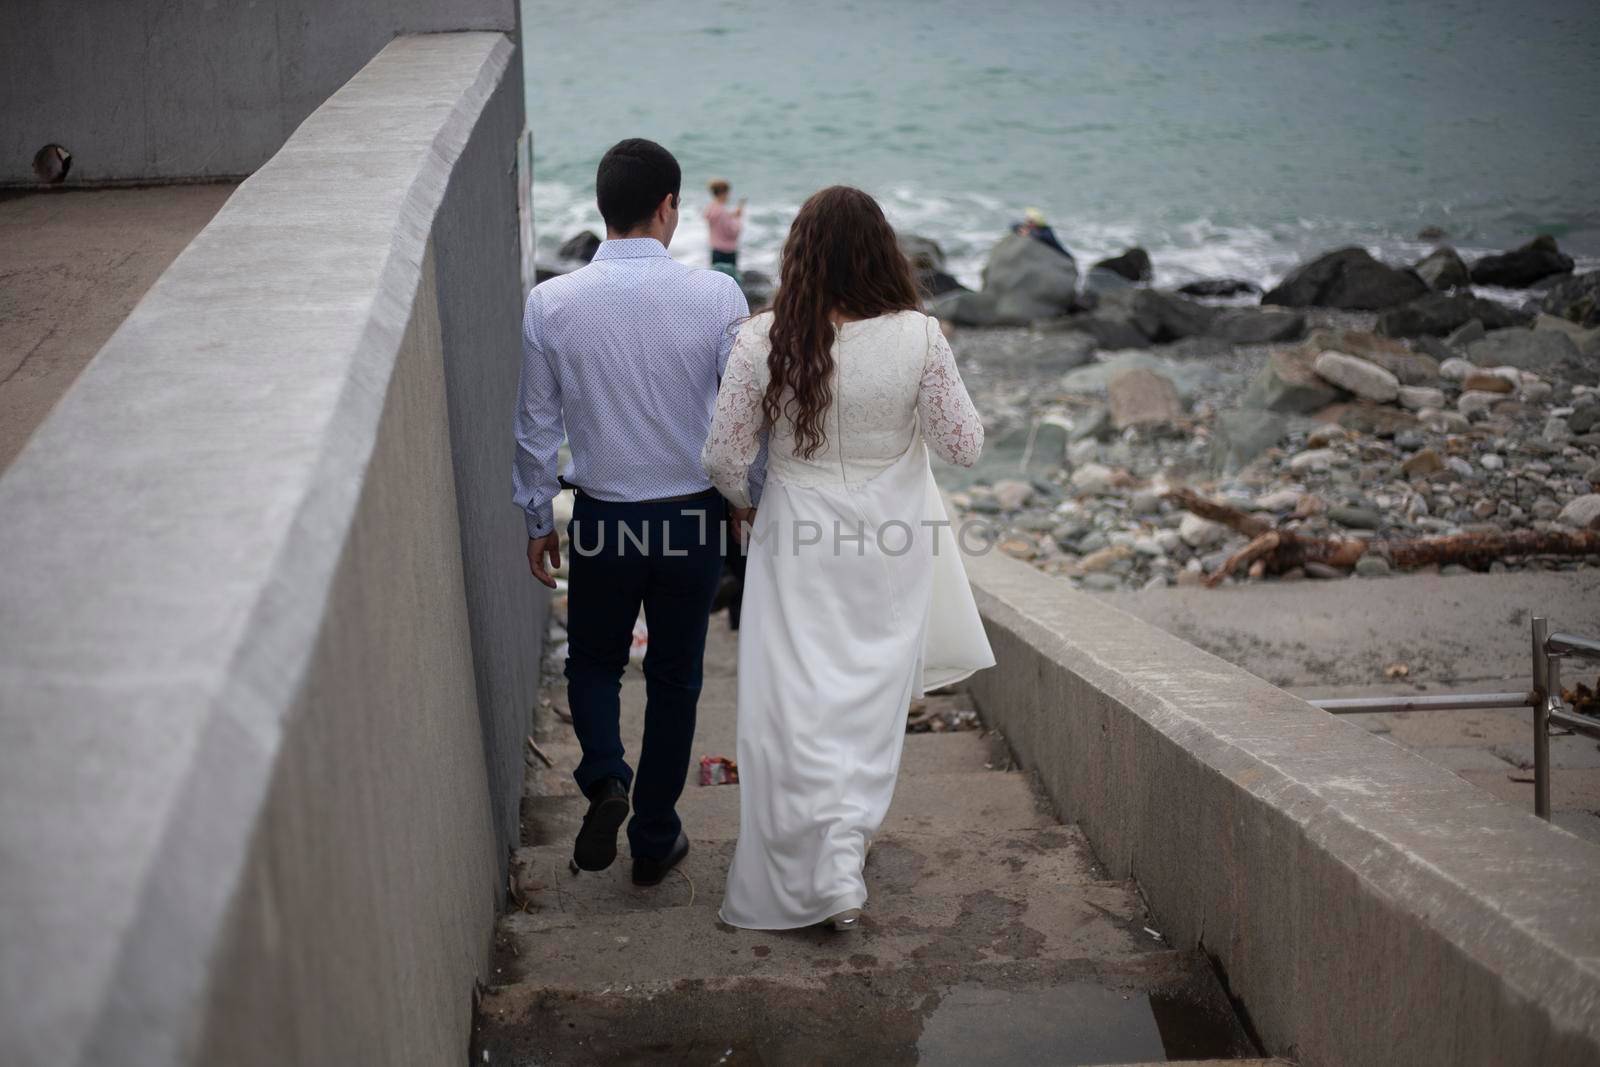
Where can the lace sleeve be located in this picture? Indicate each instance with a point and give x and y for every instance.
(736, 427)
(950, 422)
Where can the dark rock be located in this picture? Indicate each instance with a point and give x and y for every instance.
(1288, 383)
(1215, 287)
(1431, 233)
(1100, 280)
(936, 282)
(1134, 265)
(1576, 298)
(1536, 260)
(1470, 331)
(758, 288)
(1350, 279)
(1439, 350)
(923, 252)
(580, 247)
(1257, 326)
(1161, 317)
(1024, 280)
(1110, 332)
(1442, 269)
(1442, 313)
(1240, 436)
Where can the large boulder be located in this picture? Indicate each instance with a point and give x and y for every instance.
(1544, 352)
(1220, 287)
(1289, 383)
(1257, 326)
(1438, 314)
(580, 247)
(1164, 317)
(1576, 298)
(1141, 397)
(1518, 269)
(1443, 269)
(1134, 265)
(1023, 281)
(1350, 279)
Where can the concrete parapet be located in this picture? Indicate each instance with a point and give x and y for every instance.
(1365, 905)
(267, 646)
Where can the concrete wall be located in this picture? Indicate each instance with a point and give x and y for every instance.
(257, 631)
(163, 89)
(1369, 907)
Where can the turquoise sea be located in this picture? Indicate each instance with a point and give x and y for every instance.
(1226, 136)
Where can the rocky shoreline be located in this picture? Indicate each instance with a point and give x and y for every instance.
(1358, 402)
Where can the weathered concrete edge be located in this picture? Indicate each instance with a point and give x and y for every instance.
(148, 1008)
(1366, 905)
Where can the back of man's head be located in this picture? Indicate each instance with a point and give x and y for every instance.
(634, 177)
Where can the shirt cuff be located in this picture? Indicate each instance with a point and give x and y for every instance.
(541, 520)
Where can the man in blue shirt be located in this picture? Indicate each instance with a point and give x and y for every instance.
(623, 358)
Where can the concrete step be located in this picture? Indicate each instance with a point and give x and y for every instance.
(854, 1009)
(932, 802)
(966, 750)
(1006, 920)
(1031, 862)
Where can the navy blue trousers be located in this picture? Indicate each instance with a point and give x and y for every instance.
(666, 558)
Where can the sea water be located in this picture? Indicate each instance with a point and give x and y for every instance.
(1227, 137)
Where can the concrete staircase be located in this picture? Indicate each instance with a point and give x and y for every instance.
(991, 935)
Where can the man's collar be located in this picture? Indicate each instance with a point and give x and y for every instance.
(631, 248)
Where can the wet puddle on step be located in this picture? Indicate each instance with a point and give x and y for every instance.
(888, 1020)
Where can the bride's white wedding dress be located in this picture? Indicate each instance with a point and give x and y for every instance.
(855, 601)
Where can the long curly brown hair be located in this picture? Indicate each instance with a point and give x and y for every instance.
(843, 257)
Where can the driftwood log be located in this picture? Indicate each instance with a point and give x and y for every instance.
(1272, 550)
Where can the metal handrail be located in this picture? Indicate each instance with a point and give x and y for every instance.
(1544, 699)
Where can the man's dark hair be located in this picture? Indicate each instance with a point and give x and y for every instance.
(633, 177)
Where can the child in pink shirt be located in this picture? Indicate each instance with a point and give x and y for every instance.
(725, 224)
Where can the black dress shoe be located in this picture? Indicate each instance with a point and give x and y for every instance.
(596, 847)
(647, 871)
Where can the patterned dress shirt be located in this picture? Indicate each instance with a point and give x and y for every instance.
(622, 357)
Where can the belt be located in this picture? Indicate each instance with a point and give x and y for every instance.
(704, 494)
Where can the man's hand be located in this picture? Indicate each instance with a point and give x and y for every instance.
(743, 520)
(540, 549)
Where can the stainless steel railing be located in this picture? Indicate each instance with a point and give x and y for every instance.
(1549, 649)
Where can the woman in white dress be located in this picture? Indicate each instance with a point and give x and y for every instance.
(855, 598)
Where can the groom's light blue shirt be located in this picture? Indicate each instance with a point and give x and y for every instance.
(623, 358)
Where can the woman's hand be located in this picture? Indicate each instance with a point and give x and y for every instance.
(743, 520)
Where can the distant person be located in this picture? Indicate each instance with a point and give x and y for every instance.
(1033, 225)
(856, 386)
(622, 358)
(725, 224)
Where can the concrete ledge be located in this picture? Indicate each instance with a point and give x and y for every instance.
(1366, 905)
(246, 811)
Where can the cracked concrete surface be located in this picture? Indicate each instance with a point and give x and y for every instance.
(73, 263)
